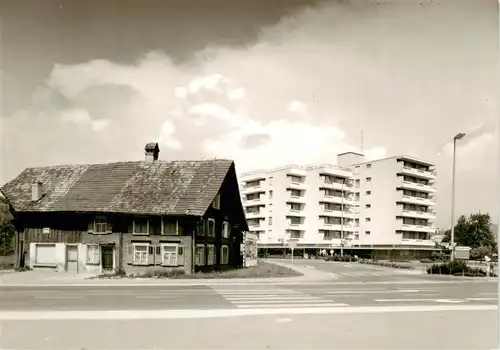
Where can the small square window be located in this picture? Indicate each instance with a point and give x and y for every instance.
(368, 166)
(368, 179)
(368, 192)
(368, 206)
(141, 226)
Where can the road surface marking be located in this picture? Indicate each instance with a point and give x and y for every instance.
(272, 298)
(156, 297)
(294, 305)
(420, 299)
(57, 297)
(373, 291)
(481, 299)
(296, 300)
(253, 292)
(284, 297)
(187, 314)
(495, 293)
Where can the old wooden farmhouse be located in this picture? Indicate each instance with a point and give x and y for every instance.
(128, 216)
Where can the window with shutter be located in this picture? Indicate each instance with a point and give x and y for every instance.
(211, 228)
(200, 255)
(224, 256)
(210, 254)
(170, 254)
(201, 228)
(141, 253)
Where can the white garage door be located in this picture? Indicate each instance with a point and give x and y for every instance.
(45, 254)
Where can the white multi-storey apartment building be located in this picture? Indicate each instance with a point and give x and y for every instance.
(381, 204)
(396, 199)
(313, 204)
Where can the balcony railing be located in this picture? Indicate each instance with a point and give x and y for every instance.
(254, 214)
(418, 228)
(420, 214)
(428, 174)
(417, 200)
(417, 186)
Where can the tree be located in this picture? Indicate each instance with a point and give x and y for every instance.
(7, 230)
(475, 232)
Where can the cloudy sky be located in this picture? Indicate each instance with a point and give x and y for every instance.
(262, 82)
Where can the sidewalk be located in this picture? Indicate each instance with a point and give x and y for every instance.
(51, 278)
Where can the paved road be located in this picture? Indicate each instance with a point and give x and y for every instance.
(405, 330)
(362, 272)
(324, 294)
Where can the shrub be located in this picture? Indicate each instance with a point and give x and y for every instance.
(457, 268)
(342, 258)
(162, 273)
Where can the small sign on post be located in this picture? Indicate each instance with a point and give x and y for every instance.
(292, 243)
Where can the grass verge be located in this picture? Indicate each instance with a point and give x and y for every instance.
(261, 270)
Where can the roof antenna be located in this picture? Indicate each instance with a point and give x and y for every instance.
(362, 140)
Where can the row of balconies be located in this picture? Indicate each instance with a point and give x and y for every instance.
(298, 185)
(298, 182)
(429, 215)
(347, 226)
(401, 197)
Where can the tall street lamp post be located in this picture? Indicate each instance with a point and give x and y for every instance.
(452, 231)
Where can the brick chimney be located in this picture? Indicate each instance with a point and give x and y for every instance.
(36, 191)
(152, 150)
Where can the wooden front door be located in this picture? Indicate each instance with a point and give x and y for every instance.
(71, 258)
(107, 257)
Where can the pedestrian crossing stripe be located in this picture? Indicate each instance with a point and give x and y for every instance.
(273, 298)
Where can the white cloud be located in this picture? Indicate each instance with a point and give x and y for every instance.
(297, 106)
(100, 124)
(180, 92)
(82, 117)
(236, 94)
(77, 116)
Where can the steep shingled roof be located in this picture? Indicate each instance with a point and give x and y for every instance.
(167, 188)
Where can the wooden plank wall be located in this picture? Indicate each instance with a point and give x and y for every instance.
(54, 236)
